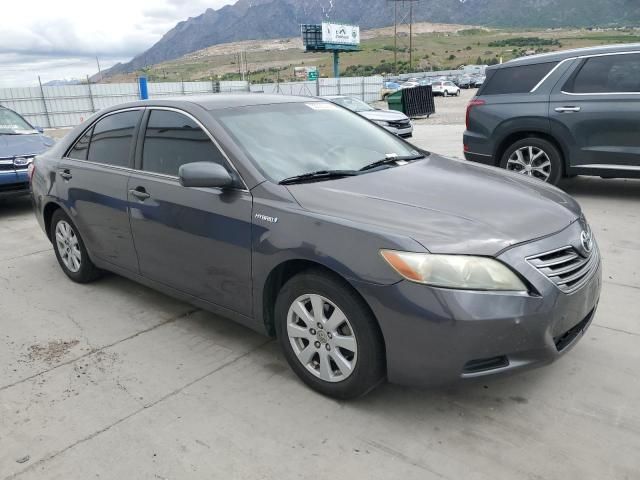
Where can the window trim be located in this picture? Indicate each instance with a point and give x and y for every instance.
(587, 58)
(143, 132)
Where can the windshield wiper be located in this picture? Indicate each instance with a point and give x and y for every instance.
(390, 160)
(319, 175)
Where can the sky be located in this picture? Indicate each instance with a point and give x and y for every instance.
(60, 39)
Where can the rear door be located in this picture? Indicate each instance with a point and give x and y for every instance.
(596, 109)
(92, 183)
(196, 240)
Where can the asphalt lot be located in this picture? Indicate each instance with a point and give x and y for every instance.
(115, 381)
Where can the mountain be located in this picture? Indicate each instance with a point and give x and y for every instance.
(264, 19)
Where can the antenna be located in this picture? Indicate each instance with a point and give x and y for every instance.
(402, 15)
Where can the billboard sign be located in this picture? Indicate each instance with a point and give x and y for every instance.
(340, 34)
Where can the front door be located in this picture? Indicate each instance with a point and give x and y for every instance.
(92, 183)
(196, 240)
(597, 111)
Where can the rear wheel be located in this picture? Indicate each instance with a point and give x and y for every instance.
(329, 336)
(534, 157)
(70, 250)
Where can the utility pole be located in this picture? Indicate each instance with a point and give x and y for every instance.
(404, 17)
(99, 70)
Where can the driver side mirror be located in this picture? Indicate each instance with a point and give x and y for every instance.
(204, 175)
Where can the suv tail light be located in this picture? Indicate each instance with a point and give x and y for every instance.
(473, 103)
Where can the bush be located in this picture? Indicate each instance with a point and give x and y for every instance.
(525, 42)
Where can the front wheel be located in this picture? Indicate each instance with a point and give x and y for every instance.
(329, 336)
(534, 157)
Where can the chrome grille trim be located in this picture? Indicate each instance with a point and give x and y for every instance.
(566, 267)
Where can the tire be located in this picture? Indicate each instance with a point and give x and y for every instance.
(70, 250)
(359, 331)
(445, 93)
(550, 174)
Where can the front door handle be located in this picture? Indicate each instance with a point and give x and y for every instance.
(140, 193)
(568, 109)
(66, 174)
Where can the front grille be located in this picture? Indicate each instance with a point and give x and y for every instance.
(566, 267)
(401, 124)
(8, 164)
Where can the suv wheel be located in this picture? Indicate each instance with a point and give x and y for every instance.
(70, 250)
(328, 336)
(534, 157)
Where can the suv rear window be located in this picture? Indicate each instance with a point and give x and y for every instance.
(518, 79)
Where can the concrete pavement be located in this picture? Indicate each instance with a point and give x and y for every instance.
(112, 380)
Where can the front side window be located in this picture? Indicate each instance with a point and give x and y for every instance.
(517, 79)
(112, 138)
(173, 139)
(607, 74)
(289, 139)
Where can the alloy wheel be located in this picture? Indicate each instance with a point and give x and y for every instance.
(68, 246)
(531, 161)
(322, 338)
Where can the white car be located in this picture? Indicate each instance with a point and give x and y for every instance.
(409, 85)
(445, 88)
(393, 121)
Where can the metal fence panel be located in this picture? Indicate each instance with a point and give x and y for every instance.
(69, 105)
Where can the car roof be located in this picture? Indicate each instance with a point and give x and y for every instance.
(219, 101)
(565, 54)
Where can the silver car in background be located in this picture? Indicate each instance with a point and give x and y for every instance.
(392, 120)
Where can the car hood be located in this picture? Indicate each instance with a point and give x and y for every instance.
(448, 206)
(17, 145)
(384, 115)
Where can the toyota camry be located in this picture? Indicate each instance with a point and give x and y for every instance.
(367, 258)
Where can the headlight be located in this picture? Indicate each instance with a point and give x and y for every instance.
(454, 271)
(382, 123)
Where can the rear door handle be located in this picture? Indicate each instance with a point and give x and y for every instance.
(568, 109)
(66, 174)
(140, 193)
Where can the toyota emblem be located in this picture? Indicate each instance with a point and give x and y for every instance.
(587, 240)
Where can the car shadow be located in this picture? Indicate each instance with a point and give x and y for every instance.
(14, 206)
(617, 188)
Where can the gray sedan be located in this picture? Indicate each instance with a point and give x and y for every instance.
(366, 258)
(396, 122)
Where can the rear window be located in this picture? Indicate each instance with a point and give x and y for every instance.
(607, 74)
(519, 79)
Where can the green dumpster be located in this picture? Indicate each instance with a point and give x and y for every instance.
(395, 101)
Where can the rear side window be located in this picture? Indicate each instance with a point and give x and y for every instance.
(112, 139)
(173, 139)
(520, 79)
(607, 74)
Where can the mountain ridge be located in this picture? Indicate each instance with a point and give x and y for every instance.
(267, 19)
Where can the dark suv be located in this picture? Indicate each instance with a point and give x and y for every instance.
(561, 114)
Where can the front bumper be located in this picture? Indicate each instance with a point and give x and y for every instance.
(13, 183)
(436, 336)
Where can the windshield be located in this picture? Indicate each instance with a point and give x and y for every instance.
(352, 104)
(12, 123)
(285, 140)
